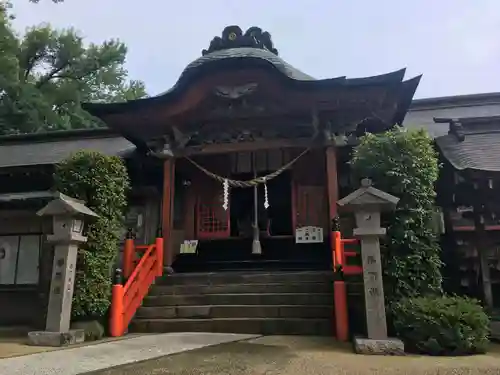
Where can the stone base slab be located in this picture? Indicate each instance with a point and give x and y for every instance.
(389, 346)
(45, 338)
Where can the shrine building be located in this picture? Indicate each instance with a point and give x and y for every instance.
(248, 151)
(240, 164)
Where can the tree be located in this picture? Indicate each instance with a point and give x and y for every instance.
(48, 73)
(102, 182)
(404, 163)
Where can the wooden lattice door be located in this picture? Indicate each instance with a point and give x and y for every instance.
(212, 220)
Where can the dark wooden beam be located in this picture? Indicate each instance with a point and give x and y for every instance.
(251, 146)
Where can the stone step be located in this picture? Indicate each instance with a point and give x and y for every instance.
(239, 311)
(302, 287)
(201, 264)
(265, 326)
(240, 299)
(224, 278)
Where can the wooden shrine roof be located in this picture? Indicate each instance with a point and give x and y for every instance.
(242, 57)
(51, 148)
(238, 59)
(472, 143)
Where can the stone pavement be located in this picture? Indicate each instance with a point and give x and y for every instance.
(85, 359)
(289, 355)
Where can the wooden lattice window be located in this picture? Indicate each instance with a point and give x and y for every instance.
(212, 220)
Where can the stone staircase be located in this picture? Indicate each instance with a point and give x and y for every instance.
(292, 302)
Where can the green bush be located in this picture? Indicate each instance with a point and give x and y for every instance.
(404, 163)
(102, 182)
(442, 325)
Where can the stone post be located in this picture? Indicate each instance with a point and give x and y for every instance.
(68, 222)
(366, 204)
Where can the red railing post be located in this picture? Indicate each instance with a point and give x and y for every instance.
(159, 244)
(116, 323)
(128, 254)
(341, 312)
(337, 255)
(339, 290)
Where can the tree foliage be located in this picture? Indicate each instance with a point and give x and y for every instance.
(404, 163)
(102, 182)
(48, 73)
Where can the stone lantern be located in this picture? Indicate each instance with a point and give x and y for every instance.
(367, 203)
(68, 218)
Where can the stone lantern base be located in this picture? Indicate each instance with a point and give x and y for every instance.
(389, 346)
(46, 338)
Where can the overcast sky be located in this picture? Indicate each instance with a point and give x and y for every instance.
(455, 44)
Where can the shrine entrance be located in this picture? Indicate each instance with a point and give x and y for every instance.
(273, 221)
(252, 222)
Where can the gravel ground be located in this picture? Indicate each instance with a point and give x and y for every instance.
(288, 355)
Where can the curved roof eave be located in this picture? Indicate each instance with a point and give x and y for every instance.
(237, 58)
(408, 89)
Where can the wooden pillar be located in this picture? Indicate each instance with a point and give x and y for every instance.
(168, 208)
(340, 293)
(482, 244)
(332, 181)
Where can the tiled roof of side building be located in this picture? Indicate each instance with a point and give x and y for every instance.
(52, 148)
(472, 143)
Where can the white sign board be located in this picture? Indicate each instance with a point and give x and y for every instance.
(189, 247)
(309, 235)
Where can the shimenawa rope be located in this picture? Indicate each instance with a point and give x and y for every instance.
(254, 181)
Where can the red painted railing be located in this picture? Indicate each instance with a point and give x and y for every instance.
(343, 255)
(341, 268)
(140, 272)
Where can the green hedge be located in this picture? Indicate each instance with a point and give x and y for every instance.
(102, 182)
(442, 325)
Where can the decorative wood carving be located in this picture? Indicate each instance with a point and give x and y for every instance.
(181, 139)
(236, 92)
(233, 37)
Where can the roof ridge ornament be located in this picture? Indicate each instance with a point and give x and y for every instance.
(457, 129)
(233, 37)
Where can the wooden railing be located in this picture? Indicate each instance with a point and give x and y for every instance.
(341, 256)
(341, 268)
(139, 271)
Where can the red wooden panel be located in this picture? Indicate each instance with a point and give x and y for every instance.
(310, 206)
(212, 220)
